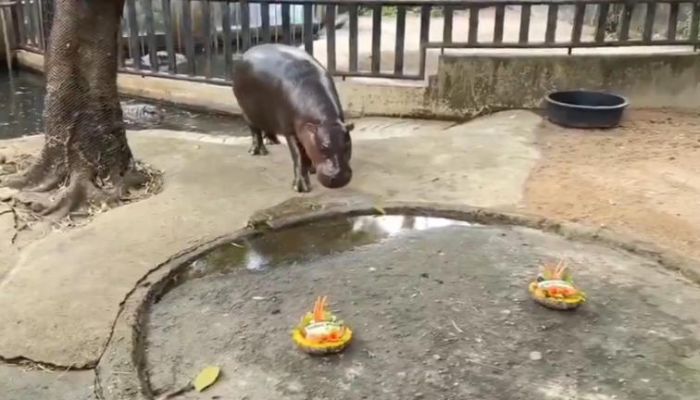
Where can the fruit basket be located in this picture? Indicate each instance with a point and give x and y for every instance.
(320, 332)
(554, 288)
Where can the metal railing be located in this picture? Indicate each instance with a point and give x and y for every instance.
(197, 39)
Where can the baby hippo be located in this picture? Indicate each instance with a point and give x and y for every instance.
(283, 90)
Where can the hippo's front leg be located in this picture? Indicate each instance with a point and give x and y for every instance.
(258, 147)
(301, 183)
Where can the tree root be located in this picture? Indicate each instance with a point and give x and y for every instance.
(35, 173)
(81, 192)
(57, 196)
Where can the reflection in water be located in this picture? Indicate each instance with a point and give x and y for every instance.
(311, 241)
(391, 225)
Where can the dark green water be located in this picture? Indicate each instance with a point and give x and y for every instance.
(22, 106)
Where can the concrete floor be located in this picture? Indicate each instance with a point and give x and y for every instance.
(211, 188)
(436, 309)
(24, 383)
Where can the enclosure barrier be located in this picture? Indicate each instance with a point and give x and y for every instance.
(197, 40)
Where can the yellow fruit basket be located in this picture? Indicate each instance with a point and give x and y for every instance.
(320, 332)
(554, 288)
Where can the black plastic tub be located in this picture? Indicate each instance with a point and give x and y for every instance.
(584, 109)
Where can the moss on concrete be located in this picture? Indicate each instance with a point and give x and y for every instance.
(471, 84)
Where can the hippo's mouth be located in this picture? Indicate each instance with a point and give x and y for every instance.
(333, 177)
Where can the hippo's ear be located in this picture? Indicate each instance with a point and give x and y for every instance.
(349, 126)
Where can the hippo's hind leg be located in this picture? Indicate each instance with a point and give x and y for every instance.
(271, 138)
(301, 183)
(258, 147)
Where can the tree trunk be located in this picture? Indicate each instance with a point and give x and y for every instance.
(86, 153)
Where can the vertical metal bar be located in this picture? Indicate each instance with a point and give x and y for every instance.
(226, 28)
(286, 25)
(235, 26)
(579, 13)
(400, 39)
(169, 40)
(525, 11)
(473, 24)
(625, 23)
(649, 22)
(187, 33)
(672, 22)
(151, 32)
(424, 37)
(36, 15)
(447, 27)
(353, 38)
(330, 37)
(32, 27)
(550, 34)
(498, 25)
(18, 15)
(39, 12)
(695, 21)
(120, 50)
(376, 38)
(309, 28)
(134, 48)
(603, 10)
(245, 24)
(265, 16)
(206, 27)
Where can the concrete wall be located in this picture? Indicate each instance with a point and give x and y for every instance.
(359, 96)
(466, 85)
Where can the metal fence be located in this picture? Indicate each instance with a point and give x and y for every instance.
(198, 39)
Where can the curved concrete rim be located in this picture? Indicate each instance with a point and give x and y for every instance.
(120, 374)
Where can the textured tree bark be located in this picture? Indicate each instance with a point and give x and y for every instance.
(86, 155)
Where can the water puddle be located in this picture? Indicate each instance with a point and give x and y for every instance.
(311, 241)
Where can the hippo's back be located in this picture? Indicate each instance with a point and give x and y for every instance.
(278, 61)
(276, 83)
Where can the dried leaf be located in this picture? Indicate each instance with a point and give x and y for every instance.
(378, 208)
(206, 378)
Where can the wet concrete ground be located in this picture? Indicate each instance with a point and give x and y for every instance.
(440, 311)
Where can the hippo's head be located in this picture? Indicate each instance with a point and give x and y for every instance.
(329, 147)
